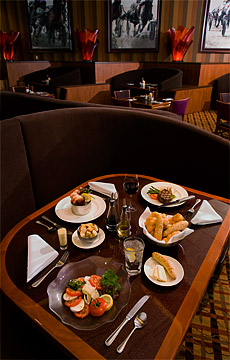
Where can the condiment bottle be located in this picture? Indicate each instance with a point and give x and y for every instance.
(124, 226)
(143, 83)
(150, 97)
(112, 216)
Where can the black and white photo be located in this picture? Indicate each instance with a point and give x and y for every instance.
(49, 24)
(216, 30)
(133, 25)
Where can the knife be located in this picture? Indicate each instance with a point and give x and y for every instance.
(128, 317)
(178, 201)
(55, 224)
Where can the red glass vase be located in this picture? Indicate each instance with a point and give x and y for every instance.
(87, 43)
(7, 44)
(180, 41)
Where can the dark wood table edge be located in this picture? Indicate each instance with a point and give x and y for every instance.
(73, 343)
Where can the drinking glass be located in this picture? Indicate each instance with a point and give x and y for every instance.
(131, 185)
(133, 249)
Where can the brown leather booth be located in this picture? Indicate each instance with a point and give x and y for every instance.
(48, 153)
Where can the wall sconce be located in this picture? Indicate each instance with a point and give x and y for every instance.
(7, 43)
(87, 43)
(180, 41)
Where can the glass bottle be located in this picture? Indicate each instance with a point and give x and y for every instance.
(124, 226)
(112, 216)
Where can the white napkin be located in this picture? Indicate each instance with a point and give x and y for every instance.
(206, 215)
(103, 188)
(40, 255)
(173, 239)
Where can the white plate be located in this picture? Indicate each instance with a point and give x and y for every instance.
(90, 245)
(177, 190)
(64, 212)
(148, 269)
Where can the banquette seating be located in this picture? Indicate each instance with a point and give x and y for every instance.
(48, 153)
(220, 85)
(165, 78)
(13, 104)
(59, 76)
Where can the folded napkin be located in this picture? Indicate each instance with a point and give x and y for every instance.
(173, 239)
(206, 215)
(40, 255)
(103, 188)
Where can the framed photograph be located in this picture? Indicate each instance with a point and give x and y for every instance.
(49, 25)
(133, 25)
(216, 29)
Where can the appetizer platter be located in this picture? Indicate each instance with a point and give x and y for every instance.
(157, 193)
(86, 244)
(162, 229)
(63, 210)
(79, 284)
(163, 270)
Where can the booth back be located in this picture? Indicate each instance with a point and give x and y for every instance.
(166, 78)
(63, 148)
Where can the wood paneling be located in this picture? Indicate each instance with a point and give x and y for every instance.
(97, 94)
(210, 72)
(105, 71)
(199, 98)
(17, 69)
(92, 14)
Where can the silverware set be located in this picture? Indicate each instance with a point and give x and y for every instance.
(139, 321)
(60, 263)
(54, 226)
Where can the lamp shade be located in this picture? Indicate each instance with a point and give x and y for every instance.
(180, 41)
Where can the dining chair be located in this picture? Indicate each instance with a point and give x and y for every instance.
(120, 102)
(225, 97)
(120, 94)
(179, 106)
(223, 117)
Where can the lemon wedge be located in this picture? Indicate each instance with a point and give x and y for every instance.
(87, 197)
(109, 301)
(131, 254)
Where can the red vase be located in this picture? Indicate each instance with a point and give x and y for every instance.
(7, 43)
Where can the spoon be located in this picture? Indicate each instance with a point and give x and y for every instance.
(139, 322)
(49, 228)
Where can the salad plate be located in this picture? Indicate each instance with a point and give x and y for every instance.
(88, 245)
(177, 191)
(64, 212)
(148, 269)
(94, 265)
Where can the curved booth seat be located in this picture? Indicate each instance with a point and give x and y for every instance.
(46, 154)
(165, 78)
(59, 76)
(220, 85)
(13, 104)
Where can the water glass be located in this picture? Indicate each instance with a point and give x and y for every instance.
(134, 249)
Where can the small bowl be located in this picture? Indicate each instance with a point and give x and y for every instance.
(88, 239)
(81, 210)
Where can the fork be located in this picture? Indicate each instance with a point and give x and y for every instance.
(60, 263)
(191, 210)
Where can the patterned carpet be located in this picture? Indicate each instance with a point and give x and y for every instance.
(208, 333)
(205, 120)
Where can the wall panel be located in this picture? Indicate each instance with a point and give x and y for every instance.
(92, 14)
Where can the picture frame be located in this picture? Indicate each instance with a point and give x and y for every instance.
(133, 25)
(216, 30)
(49, 26)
